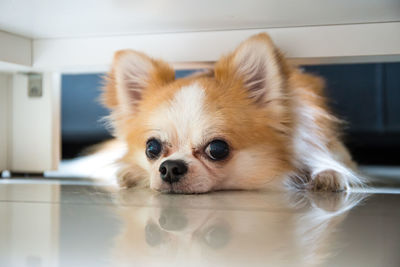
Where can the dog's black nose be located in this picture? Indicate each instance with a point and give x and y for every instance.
(172, 170)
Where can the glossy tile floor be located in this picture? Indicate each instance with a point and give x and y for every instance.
(75, 222)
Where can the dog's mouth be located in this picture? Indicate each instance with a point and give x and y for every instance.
(175, 190)
(172, 191)
(167, 188)
(179, 188)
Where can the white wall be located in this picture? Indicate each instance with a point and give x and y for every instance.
(33, 143)
(15, 49)
(315, 45)
(4, 115)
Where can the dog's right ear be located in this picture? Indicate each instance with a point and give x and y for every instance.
(131, 75)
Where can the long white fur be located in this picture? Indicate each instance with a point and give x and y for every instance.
(311, 151)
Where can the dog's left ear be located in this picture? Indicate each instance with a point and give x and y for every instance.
(258, 65)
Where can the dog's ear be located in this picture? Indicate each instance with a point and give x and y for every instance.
(258, 65)
(131, 75)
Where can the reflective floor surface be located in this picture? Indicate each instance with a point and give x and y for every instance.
(80, 223)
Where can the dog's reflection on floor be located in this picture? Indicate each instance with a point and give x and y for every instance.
(229, 228)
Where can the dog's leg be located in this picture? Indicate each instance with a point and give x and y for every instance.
(129, 176)
(340, 176)
(328, 180)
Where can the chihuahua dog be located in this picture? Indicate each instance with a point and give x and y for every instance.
(253, 122)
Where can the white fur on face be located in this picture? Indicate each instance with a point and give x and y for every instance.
(184, 125)
(183, 120)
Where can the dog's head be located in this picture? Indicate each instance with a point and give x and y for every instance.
(228, 128)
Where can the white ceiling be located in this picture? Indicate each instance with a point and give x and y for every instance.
(79, 18)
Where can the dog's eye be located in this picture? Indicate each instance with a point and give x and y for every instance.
(217, 150)
(153, 148)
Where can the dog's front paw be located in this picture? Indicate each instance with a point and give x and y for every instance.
(129, 177)
(328, 180)
(126, 180)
